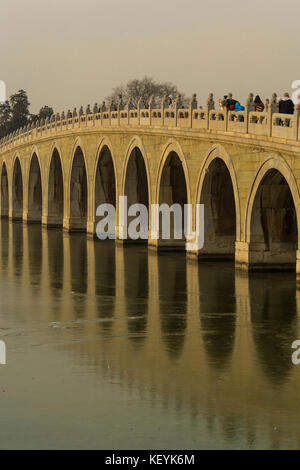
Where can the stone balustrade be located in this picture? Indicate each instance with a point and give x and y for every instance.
(268, 123)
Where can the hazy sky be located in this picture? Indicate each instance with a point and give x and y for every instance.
(65, 53)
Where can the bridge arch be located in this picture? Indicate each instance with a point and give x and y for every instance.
(105, 176)
(173, 187)
(55, 194)
(272, 216)
(17, 190)
(78, 189)
(136, 177)
(136, 143)
(4, 191)
(217, 189)
(172, 146)
(35, 193)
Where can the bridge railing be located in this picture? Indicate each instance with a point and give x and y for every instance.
(200, 118)
(170, 117)
(156, 117)
(237, 121)
(217, 120)
(145, 117)
(184, 118)
(268, 123)
(283, 125)
(134, 117)
(258, 123)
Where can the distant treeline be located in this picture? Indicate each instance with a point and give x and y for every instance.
(14, 113)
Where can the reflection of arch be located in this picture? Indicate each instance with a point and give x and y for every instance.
(55, 256)
(271, 223)
(4, 192)
(172, 188)
(4, 245)
(172, 279)
(217, 312)
(78, 271)
(274, 322)
(55, 262)
(218, 152)
(105, 283)
(136, 293)
(34, 190)
(34, 240)
(55, 190)
(17, 245)
(78, 191)
(17, 190)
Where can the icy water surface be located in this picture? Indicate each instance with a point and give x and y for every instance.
(112, 347)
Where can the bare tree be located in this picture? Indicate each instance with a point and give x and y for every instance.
(144, 89)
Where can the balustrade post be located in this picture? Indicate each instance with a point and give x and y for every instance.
(118, 111)
(176, 107)
(162, 110)
(226, 118)
(267, 105)
(101, 114)
(210, 104)
(150, 109)
(192, 105)
(248, 108)
(87, 113)
(272, 108)
(95, 112)
(109, 113)
(80, 114)
(102, 110)
(74, 115)
(139, 110)
(128, 110)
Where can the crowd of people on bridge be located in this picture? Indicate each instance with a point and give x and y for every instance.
(285, 104)
(230, 104)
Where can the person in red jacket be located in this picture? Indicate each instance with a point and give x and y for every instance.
(258, 104)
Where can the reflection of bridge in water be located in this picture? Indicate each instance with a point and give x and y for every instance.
(244, 166)
(197, 338)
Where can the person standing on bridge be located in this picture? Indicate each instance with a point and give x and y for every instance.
(224, 102)
(221, 104)
(286, 106)
(258, 104)
(238, 106)
(228, 102)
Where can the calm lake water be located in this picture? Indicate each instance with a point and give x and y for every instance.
(112, 347)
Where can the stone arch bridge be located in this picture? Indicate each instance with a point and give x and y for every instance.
(244, 166)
